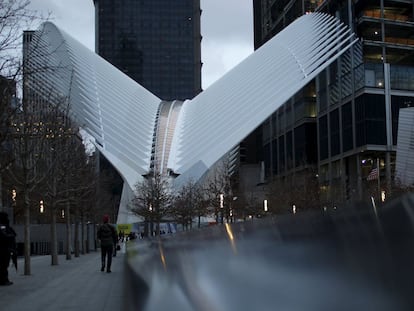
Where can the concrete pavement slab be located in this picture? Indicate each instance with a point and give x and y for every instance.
(76, 284)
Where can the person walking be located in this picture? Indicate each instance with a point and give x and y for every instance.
(7, 248)
(107, 235)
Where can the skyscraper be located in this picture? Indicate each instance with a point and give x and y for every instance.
(350, 112)
(155, 42)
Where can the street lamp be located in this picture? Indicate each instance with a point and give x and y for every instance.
(41, 207)
(265, 208)
(221, 207)
(383, 196)
(232, 209)
(151, 224)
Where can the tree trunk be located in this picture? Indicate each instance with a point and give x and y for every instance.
(83, 238)
(77, 246)
(146, 228)
(157, 232)
(87, 239)
(26, 234)
(151, 228)
(94, 237)
(53, 238)
(68, 233)
(1, 192)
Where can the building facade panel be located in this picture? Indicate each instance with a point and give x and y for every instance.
(157, 43)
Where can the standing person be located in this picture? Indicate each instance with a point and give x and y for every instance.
(107, 236)
(7, 248)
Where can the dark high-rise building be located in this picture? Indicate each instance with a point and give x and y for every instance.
(155, 42)
(272, 16)
(344, 123)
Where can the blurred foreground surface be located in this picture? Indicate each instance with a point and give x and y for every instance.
(356, 258)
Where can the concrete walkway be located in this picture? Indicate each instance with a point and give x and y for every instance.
(76, 284)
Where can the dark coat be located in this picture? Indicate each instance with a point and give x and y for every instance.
(7, 243)
(7, 234)
(107, 235)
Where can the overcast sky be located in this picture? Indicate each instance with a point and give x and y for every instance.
(226, 27)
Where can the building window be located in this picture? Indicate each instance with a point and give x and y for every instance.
(335, 136)
(323, 137)
(402, 77)
(289, 149)
(370, 120)
(281, 150)
(274, 156)
(347, 131)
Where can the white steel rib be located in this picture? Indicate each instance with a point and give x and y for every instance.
(125, 119)
(224, 114)
(118, 112)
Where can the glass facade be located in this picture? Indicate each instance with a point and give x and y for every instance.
(402, 77)
(305, 153)
(156, 43)
(347, 129)
(370, 120)
(357, 99)
(323, 138)
(335, 132)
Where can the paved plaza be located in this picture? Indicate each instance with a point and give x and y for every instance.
(76, 284)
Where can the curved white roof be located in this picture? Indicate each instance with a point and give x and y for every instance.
(118, 112)
(122, 116)
(224, 114)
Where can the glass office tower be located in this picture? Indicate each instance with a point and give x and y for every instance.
(156, 42)
(346, 121)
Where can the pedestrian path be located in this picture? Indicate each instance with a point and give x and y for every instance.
(76, 284)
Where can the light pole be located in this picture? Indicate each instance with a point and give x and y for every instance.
(151, 225)
(265, 207)
(221, 207)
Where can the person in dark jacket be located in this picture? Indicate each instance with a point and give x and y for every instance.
(7, 248)
(107, 236)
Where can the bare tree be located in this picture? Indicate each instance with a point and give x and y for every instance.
(71, 178)
(294, 193)
(82, 190)
(14, 17)
(201, 207)
(54, 186)
(153, 200)
(251, 205)
(31, 166)
(48, 154)
(7, 97)
(219, 191)
(189, 203)
(15, 121)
